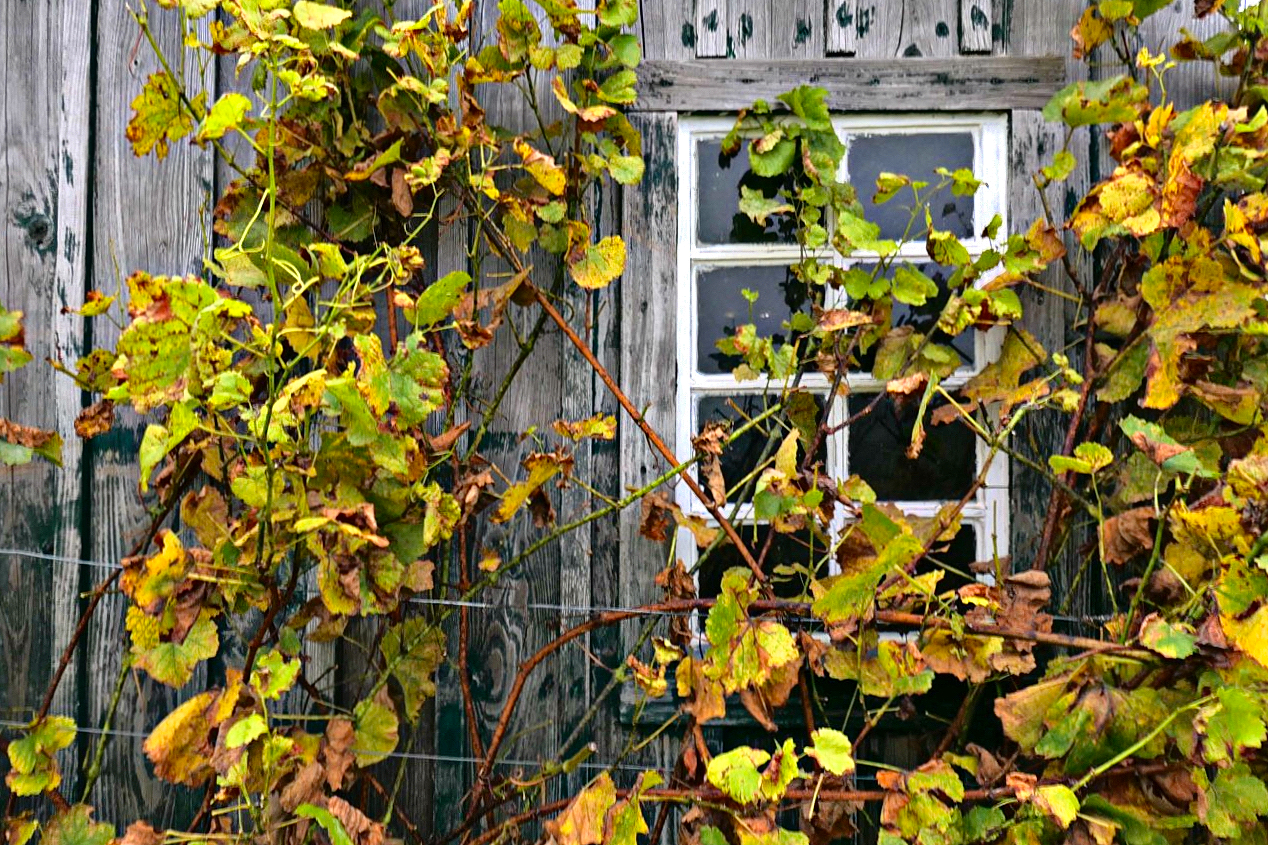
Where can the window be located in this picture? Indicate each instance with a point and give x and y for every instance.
(722, 253)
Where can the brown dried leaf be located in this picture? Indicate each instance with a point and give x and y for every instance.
(402, 199)
(1128, 534)
(97, 418)
(657, 518)
(304, 788)
(362, 829)
(141, 833)
(337, 750)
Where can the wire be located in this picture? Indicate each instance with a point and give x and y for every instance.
(567, 609)
(395, 755)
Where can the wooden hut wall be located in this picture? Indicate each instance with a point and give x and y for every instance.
(79, 211)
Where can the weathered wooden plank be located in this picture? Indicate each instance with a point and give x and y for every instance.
(43, 183)
(840, 25)
(503, 637)
(975, 26)
(878, 28)
(147, 215)
(648, 352)
(796, 30)
(751, 24)
(714, 29)
(989, 82)
(929, 29)
(668, 29)
(648, 339)
(1188, 83)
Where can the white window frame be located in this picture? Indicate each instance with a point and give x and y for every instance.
(988, 512)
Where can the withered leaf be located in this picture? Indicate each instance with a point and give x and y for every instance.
(1128, 534)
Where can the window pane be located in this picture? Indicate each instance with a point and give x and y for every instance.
(878, 453)
(743, 456)
(923, 318)
(788, 563)
(720, 308)
(916, 156)
(718, 216)
(958, 555)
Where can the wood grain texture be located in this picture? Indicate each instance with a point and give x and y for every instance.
(797, 30)
(714, 29)
(147, 215)
(929, 29)
(668, 29)
(840, 27)
(975, 26)
(648, 352)
(989, 82)
(43, 179)
(648, 341)
(878, 28)
(751, 24)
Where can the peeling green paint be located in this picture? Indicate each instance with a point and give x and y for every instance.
(942, 29)
(912, 52)
(803, 32)
(845, 14)
(863, 24)
(689, 36)
(978, 18)
(746, 28)
(711, 21)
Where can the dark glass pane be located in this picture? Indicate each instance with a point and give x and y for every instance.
(958, 555)
(720, 308)
(917, 156)
(789, 561)
(923, 318)
(878, 453)
(743, 456)
(718, 216)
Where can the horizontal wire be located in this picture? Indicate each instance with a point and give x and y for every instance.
(395, 755)
(418, 755)
(574, 610)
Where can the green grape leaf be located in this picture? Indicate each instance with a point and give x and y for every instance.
(376, 732)
(833, 751)
(74, 826)
(226, 114)
(735, 773)
(414, 650)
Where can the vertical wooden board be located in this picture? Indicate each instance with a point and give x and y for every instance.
(751, 29)
(840, 27)
(1188, 83)
(929, 29)
(148, 215)
(502, 638)
(648, 306)
(43, 178)
(668, 29)
(714, 29)
(1037, 27)
(796, 30)
(878, 28)
(976, 25)
(648, 352)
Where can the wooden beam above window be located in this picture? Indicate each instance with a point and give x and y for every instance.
(981, 83)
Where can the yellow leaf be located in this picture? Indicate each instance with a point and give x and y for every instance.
(178, 747)
(318, 15)
(541, 167)
(599, 264)
(582, 822)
